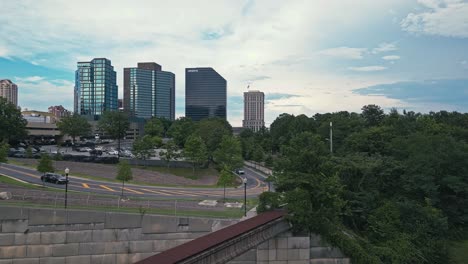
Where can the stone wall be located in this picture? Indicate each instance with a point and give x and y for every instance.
(289, 249)
(58, 236)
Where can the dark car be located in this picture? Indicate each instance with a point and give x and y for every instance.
(53, 178)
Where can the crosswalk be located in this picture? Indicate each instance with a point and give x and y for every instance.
(171, 192)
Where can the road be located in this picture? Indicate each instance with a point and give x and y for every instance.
(255, 186)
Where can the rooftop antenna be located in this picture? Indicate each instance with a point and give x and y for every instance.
(248, 86)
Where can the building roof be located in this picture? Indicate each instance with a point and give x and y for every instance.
(206, 242)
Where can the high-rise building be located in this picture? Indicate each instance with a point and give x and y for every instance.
(95, 87)
(58, 111)
(9, 90)
(254, 108)
(205, 94)
(149, 91)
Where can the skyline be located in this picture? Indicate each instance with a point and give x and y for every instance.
(306, 56)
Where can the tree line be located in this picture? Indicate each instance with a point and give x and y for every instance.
(394, 190)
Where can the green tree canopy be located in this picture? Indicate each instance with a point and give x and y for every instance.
(170, 152)
(154, 127)
(45, 164)
(229, 153)
(114, 124)
(4, 152)
(212, 130)
(195, 151)
(144, 146)
(74, 126)
(180, 130)
(12, 123)
(124, 173)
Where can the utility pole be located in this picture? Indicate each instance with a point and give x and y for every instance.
(331, 137)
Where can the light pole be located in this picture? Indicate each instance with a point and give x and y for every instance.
(331, 137)
(244, 180)
(66, 185)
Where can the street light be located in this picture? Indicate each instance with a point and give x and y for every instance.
(66, 185)
(244, 180)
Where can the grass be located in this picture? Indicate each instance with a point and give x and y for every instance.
(458, 252)
(228, 213)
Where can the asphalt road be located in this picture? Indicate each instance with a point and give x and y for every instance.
(255, 185)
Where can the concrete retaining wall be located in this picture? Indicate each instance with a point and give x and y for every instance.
(289, 249)
(58, 236)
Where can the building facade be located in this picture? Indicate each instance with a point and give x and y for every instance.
(58, 111)
(149, 91)
(9, 90)
(96, 88)
(254, 110)
(205, 94)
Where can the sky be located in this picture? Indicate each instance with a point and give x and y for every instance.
(307, 56)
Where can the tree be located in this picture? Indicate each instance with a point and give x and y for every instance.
(124, 173)
(12, 123)
(229, 153)
(74, 125)
(373, 114)
(170, 153)
(29, 153)
(144, 146)
(114, 124)
(154, 127)
(3, 152)
(225, 178)
(180, 130)
(195, 151)
(45, 164)
(212, 130)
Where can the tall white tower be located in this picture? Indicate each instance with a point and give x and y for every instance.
(254, 110)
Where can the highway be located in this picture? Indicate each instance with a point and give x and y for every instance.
(255, 186)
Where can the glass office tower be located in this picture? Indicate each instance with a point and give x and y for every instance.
(95, 88)
(149, 91)
(205, 94)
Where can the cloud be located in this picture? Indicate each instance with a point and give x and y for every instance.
(447, 94)
(344, 52)
(391, 57)
(367, 68)
(257, 78)
(276, 96)
(384, 47)
(35, 91)
(29, 79)
(448, 18)
(4, 52)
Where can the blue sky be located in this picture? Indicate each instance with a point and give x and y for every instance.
(307, 56)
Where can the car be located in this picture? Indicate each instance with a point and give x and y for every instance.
(239, 171)
(54, 178)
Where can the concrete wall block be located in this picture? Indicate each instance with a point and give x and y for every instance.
(118, 220)
(262, 254)
(26, 261)
(141, 246)
(63, 250)
(20, 239)
(304, 254)
(78, 260)
(122, 259)
(161, 245)
(243, 262)
(14, 226)
(250, 255)
(91, 248)
(88, 217)
(57, 260)
(298, 261)
(159, 224)
(200, 225)
(35, 251)
(79, 236)
(13, 213)
(282, 242)
(6, 261)
(7, 239)
(281, 254)
(330, 261)
(285, 234)
(11, 252)
(316, 241)
(103, 259)
(272, 254)
(277, 262)
(171, 236)
(47, 216)
(116, 247)
(48, 238)
(299, 242)
(47, 228)
(293, 254)
(140, 256)
(106, 235)
(263, 245)
(81, 227)
(325, 252)
(33, 238)
(220, 224)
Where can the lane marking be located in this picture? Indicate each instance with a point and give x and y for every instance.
(107, 188)
(85, 185)
(24, 173)
(157, 192)
(130, 190)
